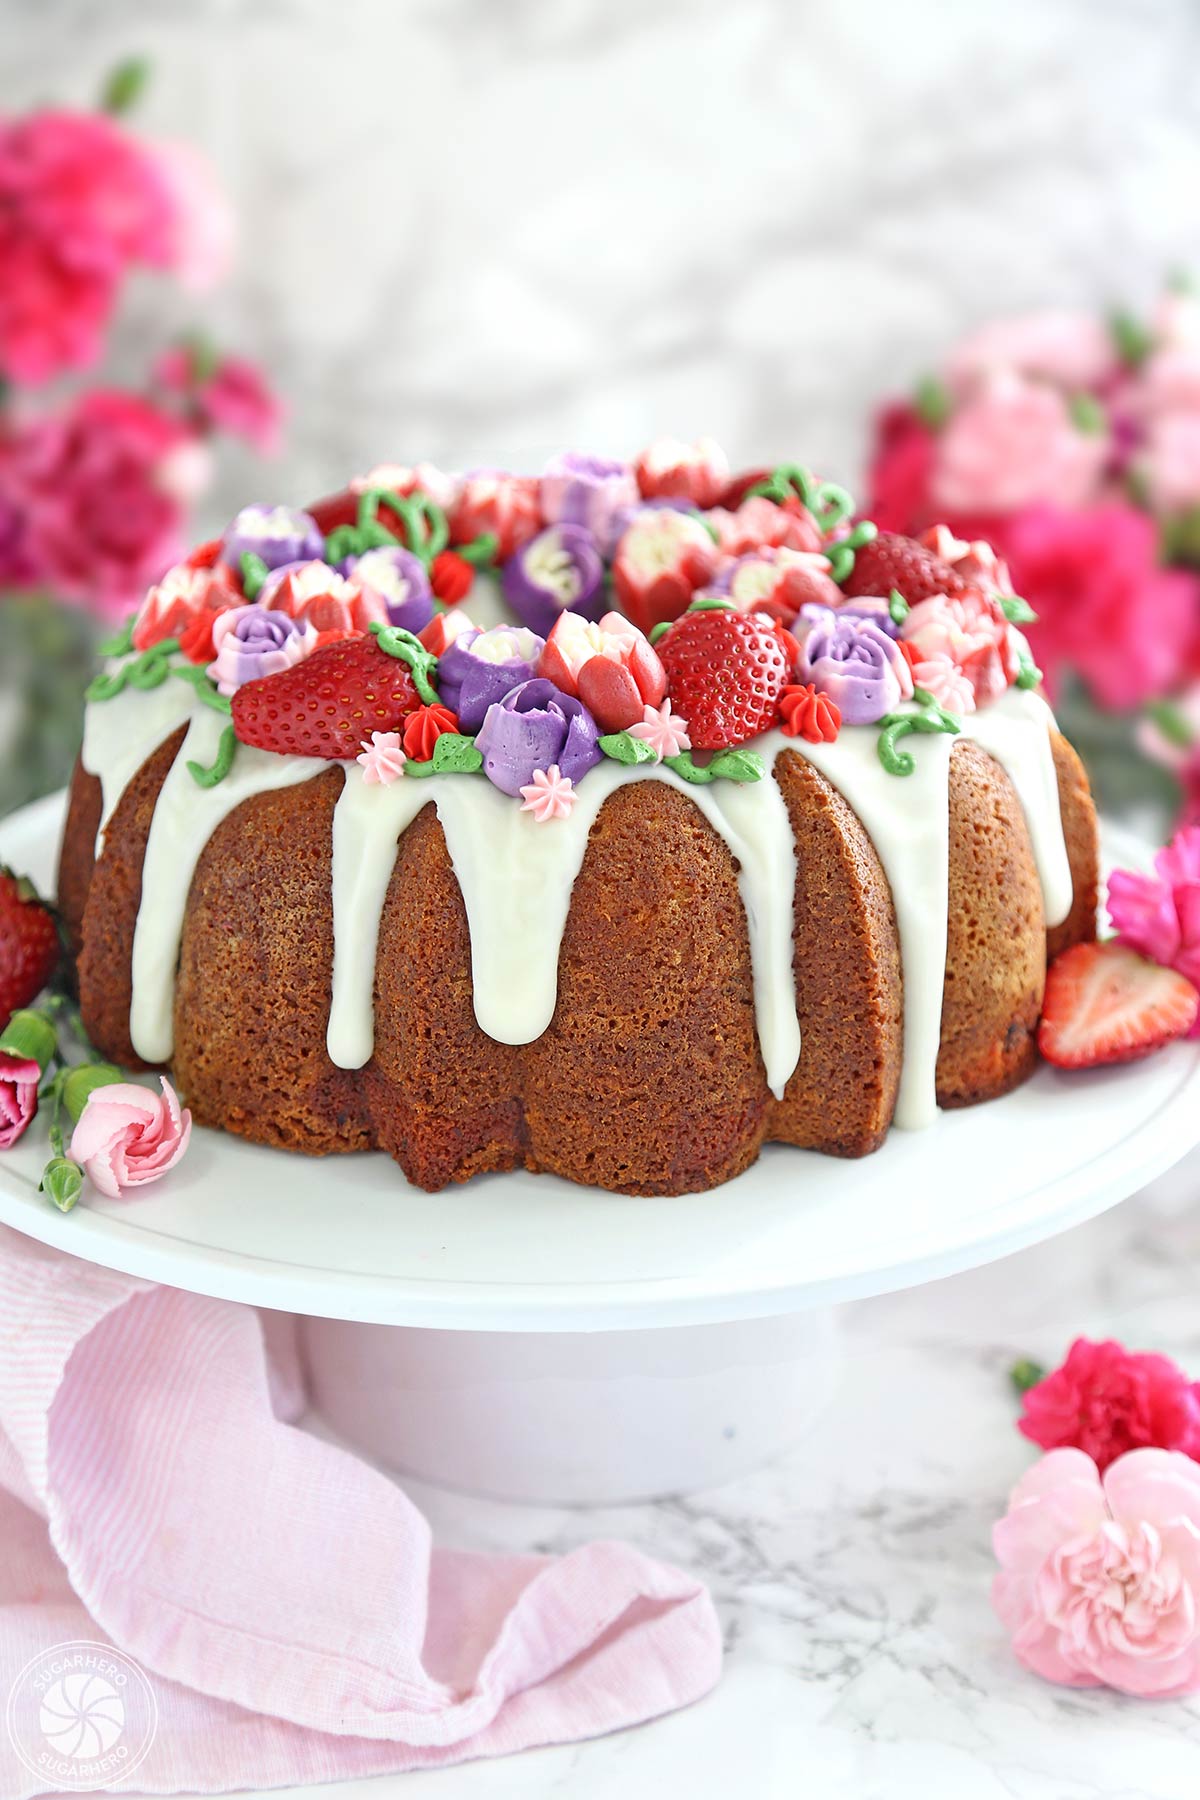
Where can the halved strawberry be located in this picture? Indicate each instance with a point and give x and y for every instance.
(328, 705)
(29, 945)
(725, 673)
(891, 561)
(1106, 1004)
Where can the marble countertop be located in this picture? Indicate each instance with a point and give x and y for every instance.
(863, 1658)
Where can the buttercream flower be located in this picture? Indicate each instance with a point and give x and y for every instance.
(975, 560)
(856, 664)
(972, 631)
(1011, 444)
(424, 727)
(251, 641)
(662, 558)
(382, 760)
(279, 535)
(328, 601)
(664, 731)
(536, 726)
(19, 1079)
(550, 795)
(941, 676)
(1106, 1400)
(577, 489)
(1159, 914)
(559, 570)
(481, 667)
(807, 713)
(759, 521)
(610, 665)
(451, 577)
(186, 601)
(504, 506)
(228, 393)
(778, 581)
(1105, 606)
(400, 580)
(445, 629)
(1069, 347)
(127, 1135)
(670, 469)
(1099, 1580)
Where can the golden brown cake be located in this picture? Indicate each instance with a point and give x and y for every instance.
(559, 899)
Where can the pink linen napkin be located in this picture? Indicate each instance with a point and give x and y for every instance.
(283, 1597)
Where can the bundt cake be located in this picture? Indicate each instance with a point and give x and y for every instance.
(613, 823)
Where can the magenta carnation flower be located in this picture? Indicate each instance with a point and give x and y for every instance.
(1106, 1400)
(1159, 914)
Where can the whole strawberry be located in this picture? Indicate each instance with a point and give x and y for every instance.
(725, 673)
(29, 946)
(891, 561)
(329, 705)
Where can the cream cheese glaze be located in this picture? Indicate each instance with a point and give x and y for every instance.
(516, 876)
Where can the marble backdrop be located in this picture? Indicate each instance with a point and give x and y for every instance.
(478, 229)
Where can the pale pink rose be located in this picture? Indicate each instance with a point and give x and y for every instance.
(202, 232)
(1073, 349)
(1011, 443)
(941, 676)
(127, 1136)
(1170, 462)
(1099, 1582)
(972, 632)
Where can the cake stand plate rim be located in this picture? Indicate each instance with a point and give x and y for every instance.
(787, 1258)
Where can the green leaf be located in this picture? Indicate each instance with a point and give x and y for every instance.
(1171, 724)
(1025, 1374)
(1132, 339)
(932, 402)
(254, 573)
(454, 754)
(125, 85)
(122, 643)
(626, 749)
(1087, 415)
(737, 765)
(898, 607)
(660, 630)
(1029, 675)
(1016, 610)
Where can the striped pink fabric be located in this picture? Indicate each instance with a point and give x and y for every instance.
(283, 1597)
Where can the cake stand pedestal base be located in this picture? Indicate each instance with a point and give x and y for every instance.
(573, 1418)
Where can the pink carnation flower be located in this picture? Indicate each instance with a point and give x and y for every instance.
(1169, 462)
(80, 201)
(1106, 1400)
(1105, 606)
(127, 1136)
(232, 397)
(973, 633)
(1099, 1582)
(89, 514)
(1011, 444)
(1160, 914)
(201, 233)
(19, 1079)
(1071, 348)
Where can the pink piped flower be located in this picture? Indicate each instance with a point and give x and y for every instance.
(186, 599)
(664, 731)
(317, 595)
(1099, 1581)
(974, 560)
(972, 632)
(19, 1079)
(670, 469)
(1159, 914)
(382, 760)
(941, 676)
(1106, 1400)
(550, 795)
(758, 521)
(611, 666)
(127, 1136)
(1011, 444)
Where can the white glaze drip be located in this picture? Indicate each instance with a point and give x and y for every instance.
(516, 878)
(119, 734)
(184, 819)
(1016, 730)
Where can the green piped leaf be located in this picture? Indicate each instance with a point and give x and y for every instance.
(624, 748)
(1016, 610)
(1029, 674)
(726, 765)
(898, 607)
(122, 643)
(254, 574)
(220, 767)
(454, 754)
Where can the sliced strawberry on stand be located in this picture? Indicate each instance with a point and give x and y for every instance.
(29, 944)
(1106, 1004)
(725, 673)
(328, 705)
(891, 561)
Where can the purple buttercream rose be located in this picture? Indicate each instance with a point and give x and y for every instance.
(251, 641)
(401, 581)
(481, 669)
(588, 490)
(560, 570)
(862, 669)
(867, 606)
(533, 727)
(279, 534)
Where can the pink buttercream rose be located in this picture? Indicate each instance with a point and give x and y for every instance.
(941, 676)
(1073, 349)
(1106, 1400)
(1105, 606)
(1099, 1581)
(972, 631)
(19, 1078)
(127, 1136)
(1159, 914)
(1012, 443)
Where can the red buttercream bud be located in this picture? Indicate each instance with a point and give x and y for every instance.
(423, 728)
(809, 714)
(204, 555)
(450, 576)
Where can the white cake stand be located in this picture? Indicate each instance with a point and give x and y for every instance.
(530, 1339)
